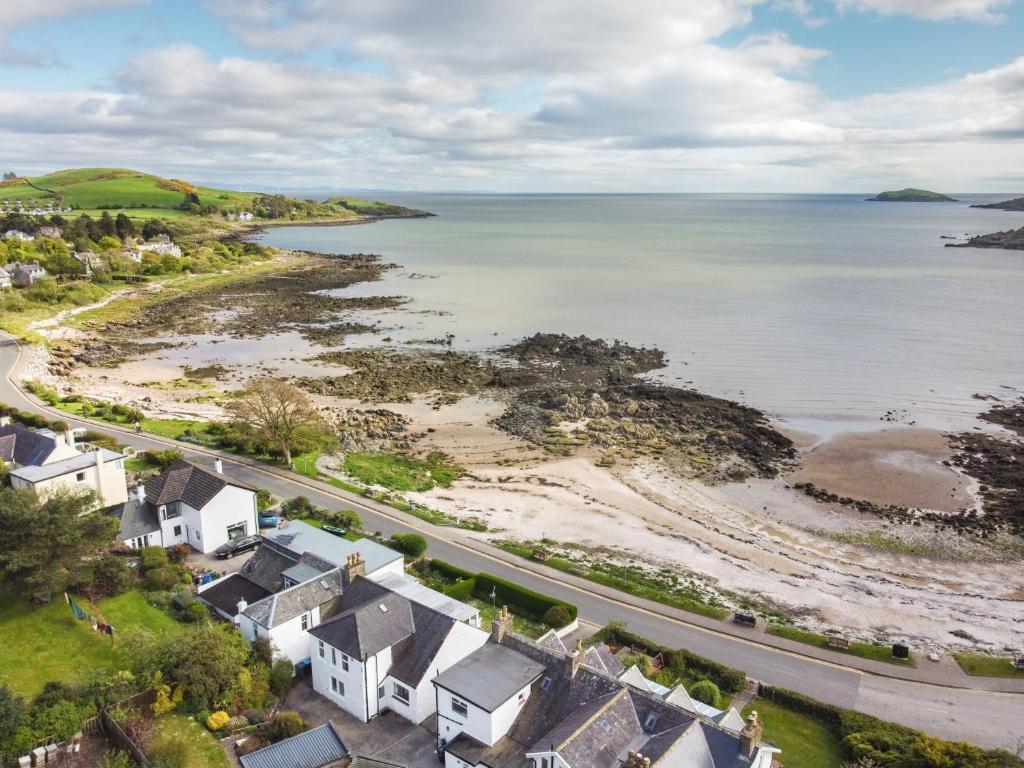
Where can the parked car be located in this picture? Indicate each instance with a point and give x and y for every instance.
(237, 547)
(269, 520)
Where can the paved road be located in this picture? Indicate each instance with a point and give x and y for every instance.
(985, 717)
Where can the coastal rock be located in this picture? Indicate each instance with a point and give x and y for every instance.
(1011, 240)
(1016, 204)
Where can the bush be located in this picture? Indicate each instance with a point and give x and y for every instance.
(461, 590)
(162, 459)
(115, 758)
(264, 499)
(108, 576)
(284, 725)
(557, 616)
(706, 692)
(154, 557)
(282, 675)
(218, 720)
(523, 601)
(446, 570)
(344, 518)
(261, 650)
(169, 752)
(298, 508)
(160, 579)
(639, 660)
(411, 544)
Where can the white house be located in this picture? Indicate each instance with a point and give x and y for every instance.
(25, 274)
(245, 216)
(134, 254)
(160, 244)
(187, 504)
(48, 462)
(17, 234)
(87, 259)
(381, 651)
(99, 470)
(516, 702)
(48, 231)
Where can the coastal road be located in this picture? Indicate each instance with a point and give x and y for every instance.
(932, 702)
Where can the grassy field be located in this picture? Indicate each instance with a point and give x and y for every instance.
(982, 665)
(40, 643)
(805, 742)
(402, 473)
(204, 750)
(864, 650)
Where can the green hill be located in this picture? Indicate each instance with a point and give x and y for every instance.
(113, 188)
(911, 195)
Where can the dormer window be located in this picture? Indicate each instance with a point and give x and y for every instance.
(169, 511)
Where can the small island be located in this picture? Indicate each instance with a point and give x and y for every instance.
(1017, 204)
(911, 195)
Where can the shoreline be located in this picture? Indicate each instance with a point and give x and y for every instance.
(757, 537)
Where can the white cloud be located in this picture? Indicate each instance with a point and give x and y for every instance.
(935, 10)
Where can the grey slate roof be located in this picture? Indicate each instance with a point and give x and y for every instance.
(267, 564)
(225, 593)
(315, 748)
(368, 628)
(416, 593)
(412, 656)
(38, 473)
(189, 483)
(29, 447)
(303, 571)
(137, 519)
(597, 735)
(490, 676)
(300, 537)
(276, 609)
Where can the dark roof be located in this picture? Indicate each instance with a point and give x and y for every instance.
(29, 447)
(186, 482)
(225, 593)
(599, 657)
(137, 519)
(506, 752)
(266, 566)
(368, 628)
(7, 447)
(314, 748)
(412, 657)
(276, 609)
(596, 734)
(490, 676)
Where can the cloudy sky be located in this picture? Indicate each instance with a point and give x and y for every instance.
(533, 95)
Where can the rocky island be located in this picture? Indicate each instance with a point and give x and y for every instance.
(911, 195)
(1016, 204)
(1011, 239)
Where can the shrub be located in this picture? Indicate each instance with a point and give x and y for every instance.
(160, 579)
(284, 725)
(461, 590)
(194, 611)
(108, 576)
(162, 459)
(154, 557)
(264, 499)
(282, 675)
(217, 720)
(115, 758)
(557, 616)
(298, 508)
(411, 544)
(170, 752)
(523, 601)
(449, 571)
(639, 660)
(262, 650)
(706, 692)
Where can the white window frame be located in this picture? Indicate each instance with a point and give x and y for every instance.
(397, 690)
(458, 704)
(305, 622)
(322, 649)
(337, 686)
(344, 661)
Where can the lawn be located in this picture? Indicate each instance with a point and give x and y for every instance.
(204, 750)
(402, 473)
(43, 643)
(987, 666)
(863, 650)
(805, 742)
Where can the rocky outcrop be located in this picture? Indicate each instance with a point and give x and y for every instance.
(1011, 240)
(1016, 204)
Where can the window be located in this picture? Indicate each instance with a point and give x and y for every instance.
(344, 662)
(322, 649)
(80, 477)
(543, 762)
(177, 530)
(171, 510)
(236, 531)
(545, 683)
(337, 686)
(334, 658)
(305, 624)
(459, 707)
(402, 693)
(381, 693)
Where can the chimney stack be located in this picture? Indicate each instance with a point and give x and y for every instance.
(575, 658)
(637, 760)
(750, 736)
(355, 566)
(140, 492)
(242, 605)
(501, 625)
(218, 466)
(69, 437)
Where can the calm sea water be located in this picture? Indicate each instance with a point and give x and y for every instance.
(820, 309)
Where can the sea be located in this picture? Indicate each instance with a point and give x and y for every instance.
(828, 312)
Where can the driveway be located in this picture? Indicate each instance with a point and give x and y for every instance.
(388, 737)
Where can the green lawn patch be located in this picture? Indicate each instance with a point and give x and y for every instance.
(402, 473)
(204, 750)
(804, 741)
(40, 643)
(983, 665)
(863, 650)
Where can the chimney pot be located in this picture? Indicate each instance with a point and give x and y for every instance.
(218, 466)
(140, 492)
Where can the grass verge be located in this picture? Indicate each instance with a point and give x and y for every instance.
(804, 741)
(983, 665)
(863, 650)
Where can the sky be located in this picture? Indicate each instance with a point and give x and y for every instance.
(530, 96)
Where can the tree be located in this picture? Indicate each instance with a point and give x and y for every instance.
(12, 713)
(125, 227)
(411, 544)
(282, 675)
(705, 692)
(284, 725)
(278, 410)
(107, 225)
(299, 508)
(44, 543)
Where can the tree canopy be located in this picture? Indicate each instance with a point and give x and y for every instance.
(279, 411)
